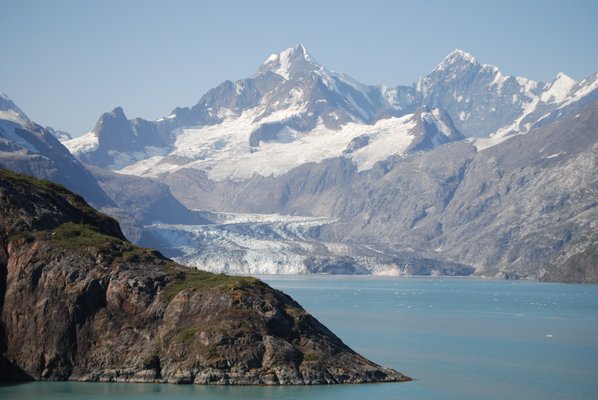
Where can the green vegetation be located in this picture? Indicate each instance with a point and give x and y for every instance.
(200, 280)
(81, 236)
(294, 312)
(74, 199)
(186, 335)
(29, 180)
(138, 254)
(311, 357)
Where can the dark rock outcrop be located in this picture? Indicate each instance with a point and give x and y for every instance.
(79, 302)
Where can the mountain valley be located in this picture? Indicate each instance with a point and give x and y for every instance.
(465, 171)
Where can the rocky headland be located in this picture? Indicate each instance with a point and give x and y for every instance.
(80, 302)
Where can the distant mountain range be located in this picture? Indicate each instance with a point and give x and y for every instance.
(295, 105)
(464, 168)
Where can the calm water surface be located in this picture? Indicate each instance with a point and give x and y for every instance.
(459, 338)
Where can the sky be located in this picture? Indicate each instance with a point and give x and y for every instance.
(65, 62)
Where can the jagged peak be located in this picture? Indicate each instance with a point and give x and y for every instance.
(294, 60)
(117, 111)
(297, 51)
(117, 115)
(459, 54)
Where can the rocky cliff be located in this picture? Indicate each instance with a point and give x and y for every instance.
(79, 302)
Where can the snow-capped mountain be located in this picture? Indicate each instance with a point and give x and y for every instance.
(292, 106)
(31, 149)
(485, 103)
(295, 111)
(293, 90)
(466, 165)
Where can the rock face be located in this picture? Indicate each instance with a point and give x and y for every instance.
(79, 302)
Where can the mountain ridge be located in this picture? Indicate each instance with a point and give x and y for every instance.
(291, 94)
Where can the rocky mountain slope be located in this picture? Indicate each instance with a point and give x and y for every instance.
(31, 149)
(519, 209)
(79, 302)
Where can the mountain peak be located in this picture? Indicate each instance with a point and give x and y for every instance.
(118, 112)
(11, 110)
(561, 76)
(292, 61)
(457, 57)
(113, 130)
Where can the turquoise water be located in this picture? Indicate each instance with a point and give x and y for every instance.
(459, 338)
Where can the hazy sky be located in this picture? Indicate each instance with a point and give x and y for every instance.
(66, 62)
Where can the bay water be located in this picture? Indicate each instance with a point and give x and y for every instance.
(459, 338)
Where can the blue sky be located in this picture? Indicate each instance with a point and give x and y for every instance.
(66, 62)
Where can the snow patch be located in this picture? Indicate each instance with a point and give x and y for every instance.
(271, 58)
(82, 144)
(527, 85)
(555, 155)
(13, 116)
(484, 143)
(516, 126)
(223, 150)
(455, 57)
(8, 130)
(122, 160)
(146, 167)
(388, 137)
(499, 78)
(391, 96)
